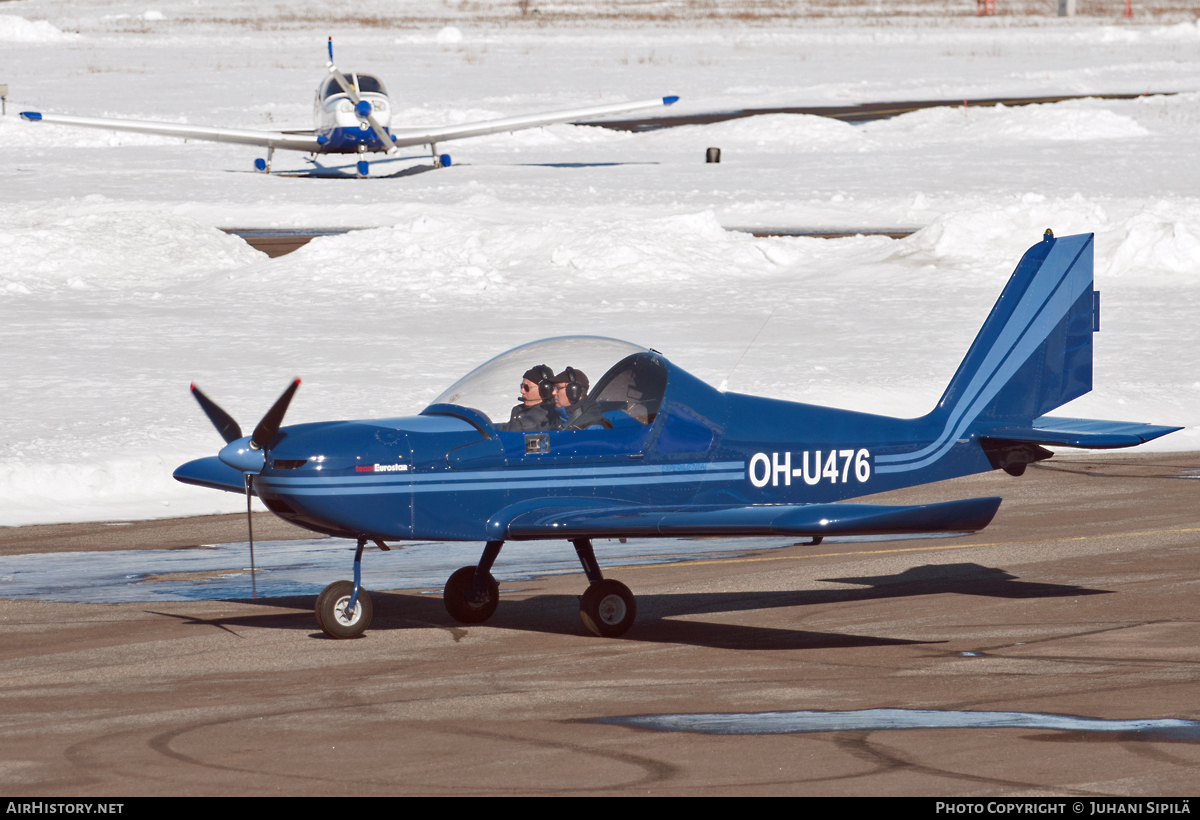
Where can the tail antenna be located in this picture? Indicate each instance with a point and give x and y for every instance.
(331, 49)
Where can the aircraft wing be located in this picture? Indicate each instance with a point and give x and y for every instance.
(1093, 434)
(564, 521)
(424, 136)
(292, 140)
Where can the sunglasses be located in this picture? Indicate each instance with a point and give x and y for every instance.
(526, 388)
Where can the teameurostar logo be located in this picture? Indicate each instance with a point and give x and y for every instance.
(381, 468)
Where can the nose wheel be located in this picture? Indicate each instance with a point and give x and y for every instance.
(334, 615)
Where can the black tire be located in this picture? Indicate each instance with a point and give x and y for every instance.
(331, 609)
(455, 597)
(608, 608)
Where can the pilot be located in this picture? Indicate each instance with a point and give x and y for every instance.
(570, 388)
(535, 412)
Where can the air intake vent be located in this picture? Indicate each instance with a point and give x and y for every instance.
(289, 463)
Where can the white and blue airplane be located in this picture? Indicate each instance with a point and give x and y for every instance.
(352, 115)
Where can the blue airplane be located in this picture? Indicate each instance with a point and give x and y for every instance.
(652, 451)
(352, 114)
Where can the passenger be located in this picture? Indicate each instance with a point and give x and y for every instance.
(536, 410)
(570, 388)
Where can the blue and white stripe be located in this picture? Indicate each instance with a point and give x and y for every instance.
(506, 479)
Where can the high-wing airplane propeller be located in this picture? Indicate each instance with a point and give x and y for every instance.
(651, 451)
(352, 115)
(247, 454)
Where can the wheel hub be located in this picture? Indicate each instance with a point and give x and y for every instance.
(339, 612)
(612, 609)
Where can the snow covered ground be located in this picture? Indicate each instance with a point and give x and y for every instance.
(117, 287)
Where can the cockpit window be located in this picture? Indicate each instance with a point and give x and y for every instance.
(634, 386)
(626, 378)
(368, 84)
(331, 88)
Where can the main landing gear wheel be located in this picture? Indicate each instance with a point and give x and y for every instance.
(331, 611)
(607, 608)
(458, 588)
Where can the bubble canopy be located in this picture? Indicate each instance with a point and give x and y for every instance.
(493, 388)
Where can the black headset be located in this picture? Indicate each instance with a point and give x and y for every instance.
(575, 390)
(545, 381)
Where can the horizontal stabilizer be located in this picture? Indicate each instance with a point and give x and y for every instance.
(1093, 434)
(967, 515)
(213, 473)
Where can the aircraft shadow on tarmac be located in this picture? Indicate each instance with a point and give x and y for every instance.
(964, 579)
(557, 614)
(320, 172)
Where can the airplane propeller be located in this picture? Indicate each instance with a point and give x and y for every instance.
(361, 107)
(247, 453)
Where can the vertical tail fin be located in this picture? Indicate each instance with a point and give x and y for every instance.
(1034, 352)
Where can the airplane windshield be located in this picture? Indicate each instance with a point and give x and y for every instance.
(330, 89)
(638, 384)
(369, 85)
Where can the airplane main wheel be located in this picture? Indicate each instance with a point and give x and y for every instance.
(331, 611)
(457, 590)
(608, 608)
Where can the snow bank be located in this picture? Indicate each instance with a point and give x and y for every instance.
(1051, 121)
(1149, 243)
(442, 256)
(791, 132)
(89, 246)
(14, 29)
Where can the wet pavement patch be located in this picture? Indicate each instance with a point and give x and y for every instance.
(304, 567)
(875, 720)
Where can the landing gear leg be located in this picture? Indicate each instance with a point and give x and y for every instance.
(607, 608)
(437, 161)
(471, 594)
(343, 608)
(264, 165)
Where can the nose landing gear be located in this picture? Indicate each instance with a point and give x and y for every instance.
(343, 608)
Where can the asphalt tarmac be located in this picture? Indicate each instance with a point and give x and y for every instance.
(1081, 599)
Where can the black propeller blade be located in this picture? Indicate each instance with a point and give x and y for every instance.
(268, 428)
(263, 435)
(226, 426)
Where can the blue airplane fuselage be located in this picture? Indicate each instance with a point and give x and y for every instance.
(446, 474)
